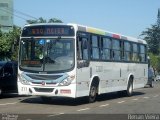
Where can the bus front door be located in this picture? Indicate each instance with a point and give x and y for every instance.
(83, 69)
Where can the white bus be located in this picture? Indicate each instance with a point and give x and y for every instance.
(71, 60)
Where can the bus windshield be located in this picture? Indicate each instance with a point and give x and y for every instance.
(47, 55)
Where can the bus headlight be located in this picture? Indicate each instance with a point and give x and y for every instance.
(67, 81)
(23, 80)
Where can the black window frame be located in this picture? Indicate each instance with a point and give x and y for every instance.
(135, 54)
(128, 52)
(81, 35)
(108, 48)
(121, 49)
(143, 55)
(98, 47)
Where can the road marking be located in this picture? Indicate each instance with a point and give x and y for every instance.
(104, 105)
(121, 102)
(146, 97)
(8, 103)
(156, 96)
(55, 115)
(135, 99)
(83, 109)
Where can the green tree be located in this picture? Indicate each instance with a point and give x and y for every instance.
(9, 44)
(5, 46)
(54, 20)
(42, 20)
(15, 36)
(152, 36)
(155, 62)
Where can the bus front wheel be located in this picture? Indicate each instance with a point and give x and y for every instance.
(92, 93)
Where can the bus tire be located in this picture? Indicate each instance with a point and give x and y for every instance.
(46, 99)
(129, 90)
(92, 93)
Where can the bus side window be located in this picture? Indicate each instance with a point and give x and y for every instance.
(142, 53)
(82, 49)
(127, 51)
(95, 47)
(135, 57)
(106, 48)
(116, 49)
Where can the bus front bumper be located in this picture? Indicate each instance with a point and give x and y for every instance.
(60, 91)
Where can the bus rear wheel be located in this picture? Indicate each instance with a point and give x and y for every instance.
(129, 90)
(92, 93)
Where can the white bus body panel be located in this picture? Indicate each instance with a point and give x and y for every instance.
(113, 76)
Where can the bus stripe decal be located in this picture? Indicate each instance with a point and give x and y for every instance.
(83, 29)
(116, 36)
(108, 34)
(124, 38)
(96, 31)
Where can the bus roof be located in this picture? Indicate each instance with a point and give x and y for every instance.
(36, 24)
(95, 31)
(107, 33)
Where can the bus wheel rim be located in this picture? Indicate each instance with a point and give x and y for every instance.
(130, 88)
(93, 92)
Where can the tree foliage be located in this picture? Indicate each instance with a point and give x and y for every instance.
(152, 36)
(155, 62)
(42, 20)
(9, 45)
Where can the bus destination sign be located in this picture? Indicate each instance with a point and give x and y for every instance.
(48, 30)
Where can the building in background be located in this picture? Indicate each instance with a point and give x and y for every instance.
(6, 15)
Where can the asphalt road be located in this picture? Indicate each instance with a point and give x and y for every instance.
(144, 104)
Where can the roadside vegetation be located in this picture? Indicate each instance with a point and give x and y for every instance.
(152, 36)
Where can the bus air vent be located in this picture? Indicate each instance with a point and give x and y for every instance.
(43, 77)
(44, 89)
